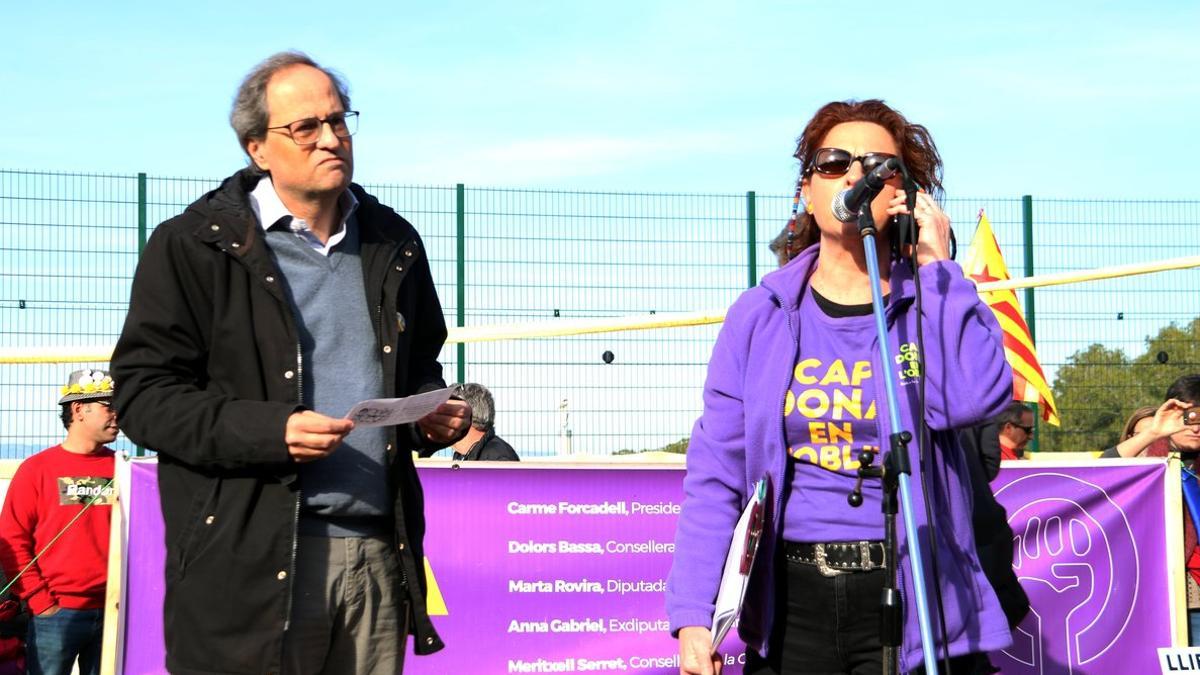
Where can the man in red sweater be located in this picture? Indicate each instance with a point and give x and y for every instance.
(67, 490)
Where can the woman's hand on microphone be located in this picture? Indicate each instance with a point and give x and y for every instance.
(695, 652)
(933, 237)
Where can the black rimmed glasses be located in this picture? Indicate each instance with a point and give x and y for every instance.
(308, 130)
(834, 162)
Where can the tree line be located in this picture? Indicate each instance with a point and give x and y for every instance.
(1098, 388)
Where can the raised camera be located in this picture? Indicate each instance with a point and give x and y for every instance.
(1192, 415)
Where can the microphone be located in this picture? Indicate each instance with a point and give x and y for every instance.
(848, 202)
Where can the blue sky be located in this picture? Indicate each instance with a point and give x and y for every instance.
(1079, 100)
(1058, 100)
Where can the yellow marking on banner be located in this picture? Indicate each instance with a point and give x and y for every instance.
(435, 604)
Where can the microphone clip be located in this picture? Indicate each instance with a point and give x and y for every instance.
(866, 469)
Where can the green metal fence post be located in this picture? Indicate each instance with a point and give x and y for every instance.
(461, 210)
(1027, 240)
(1027, 217)
(751, 242)
(141, 214)
(138, 450)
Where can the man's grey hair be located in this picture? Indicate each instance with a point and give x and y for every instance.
(249, 116)
(1013, 414)
(483, 407)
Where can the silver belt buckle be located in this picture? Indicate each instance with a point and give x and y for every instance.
(823, 562)
(864, 551)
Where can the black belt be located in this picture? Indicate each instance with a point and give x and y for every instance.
(838, 557)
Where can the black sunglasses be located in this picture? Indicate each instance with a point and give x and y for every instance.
(1028, 430)
(835, 162)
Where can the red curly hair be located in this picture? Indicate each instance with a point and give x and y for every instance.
(916, 147)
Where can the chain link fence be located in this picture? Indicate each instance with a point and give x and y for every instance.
(69, 244)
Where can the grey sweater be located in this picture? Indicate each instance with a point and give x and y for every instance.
(346, 493)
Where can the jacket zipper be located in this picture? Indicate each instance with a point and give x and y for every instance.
(382, 333)
(783, 410)
(287, 619)
(777, 501)
(287, 616)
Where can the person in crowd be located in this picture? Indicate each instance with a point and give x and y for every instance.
(1155, 432)
(54, 531)
(794, 392)
(1171, 432)
(257, 319)
(481, 441)
(1016, 430)
(1003, 437)
(1138, 421)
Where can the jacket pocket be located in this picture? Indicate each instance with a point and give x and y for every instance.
(200, 518)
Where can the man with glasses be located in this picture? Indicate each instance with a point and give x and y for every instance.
(1005, 436)
(1016, 430)
(54, 531)
(257, 318)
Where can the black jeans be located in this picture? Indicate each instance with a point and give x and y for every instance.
(830, 625)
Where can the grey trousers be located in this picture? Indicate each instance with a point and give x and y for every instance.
(349, 610)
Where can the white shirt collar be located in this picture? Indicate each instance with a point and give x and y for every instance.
(269, 209)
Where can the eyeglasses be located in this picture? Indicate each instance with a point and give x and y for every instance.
(835, 162)
(1028, 430)
(308, 130)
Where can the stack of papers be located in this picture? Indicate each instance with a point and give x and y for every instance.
(739, 562)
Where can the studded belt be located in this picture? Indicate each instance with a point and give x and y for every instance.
(841, 557)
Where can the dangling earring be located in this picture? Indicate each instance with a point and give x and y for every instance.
(791, 239)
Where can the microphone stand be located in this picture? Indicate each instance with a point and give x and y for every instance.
(896, 473)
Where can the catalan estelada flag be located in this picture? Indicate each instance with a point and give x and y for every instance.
(984, 263)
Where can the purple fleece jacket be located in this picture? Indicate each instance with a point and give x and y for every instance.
(740, 437)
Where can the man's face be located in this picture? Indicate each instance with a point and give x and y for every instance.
(303, 171)
(1020, 435)
(95, 420)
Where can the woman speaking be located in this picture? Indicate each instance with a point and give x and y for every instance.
(795, 392)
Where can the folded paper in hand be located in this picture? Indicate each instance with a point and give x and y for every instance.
(381, 412)
(739, 562)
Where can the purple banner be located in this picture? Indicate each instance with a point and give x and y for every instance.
(530, 570)
(543, 570)
(1090, 549)
(553, 570)
(145, 565)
